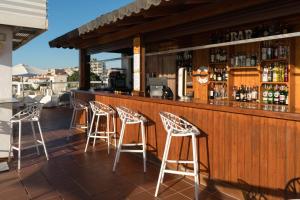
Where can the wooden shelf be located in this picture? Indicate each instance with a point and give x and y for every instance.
(218, 63)
(224, 44)
(275, 60)
(244, 68)
(274, 83)
(218, 82)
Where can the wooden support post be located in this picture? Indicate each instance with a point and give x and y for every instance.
(84, 70)
(139, 83)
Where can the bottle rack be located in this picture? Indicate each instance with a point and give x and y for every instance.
(251, 74)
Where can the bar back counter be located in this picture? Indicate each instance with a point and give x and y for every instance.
(240, 145)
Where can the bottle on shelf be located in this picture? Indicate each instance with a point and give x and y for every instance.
(275, 74)
(254, 94)
(238, 95)
(212, 91)
(249, 94)
(264, 51)
(270, 73)
(282, 96)
(270, 95)
(276, 95)
(286, 96)
(286, 73)
(265, 94)
(265, 74)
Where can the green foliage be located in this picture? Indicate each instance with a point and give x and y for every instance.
(75, 77)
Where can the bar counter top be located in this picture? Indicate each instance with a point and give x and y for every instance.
(255, 109)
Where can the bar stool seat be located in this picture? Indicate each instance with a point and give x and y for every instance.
(128, 117)
(79, 105)
(100, 109)
(30, 114)
(178, 127)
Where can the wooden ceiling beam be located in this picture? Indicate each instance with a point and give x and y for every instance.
(176, 19)
(225, 21)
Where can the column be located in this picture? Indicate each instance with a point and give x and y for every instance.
(84, 70)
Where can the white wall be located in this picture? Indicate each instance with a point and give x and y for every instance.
(6, 63)
(5, 89)
(24, 13)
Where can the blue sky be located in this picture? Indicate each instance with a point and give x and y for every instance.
(63, 16)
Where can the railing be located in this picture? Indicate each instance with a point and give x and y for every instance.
(55, 92)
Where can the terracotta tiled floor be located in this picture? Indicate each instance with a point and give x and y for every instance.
(72, 174)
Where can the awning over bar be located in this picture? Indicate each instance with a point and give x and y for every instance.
(119, 14)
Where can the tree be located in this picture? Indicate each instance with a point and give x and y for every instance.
(75, 77)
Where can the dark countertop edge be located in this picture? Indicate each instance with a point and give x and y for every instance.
(223, 108)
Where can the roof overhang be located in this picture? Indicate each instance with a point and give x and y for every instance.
(28, 19)
(114, 31)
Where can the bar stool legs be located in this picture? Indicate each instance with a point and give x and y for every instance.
(120, 144)
(36, 141)
(165, 160)
(97, 134)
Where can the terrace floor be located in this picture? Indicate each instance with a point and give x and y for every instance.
(72, 174)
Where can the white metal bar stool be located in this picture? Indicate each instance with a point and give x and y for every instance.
(100, 109)
(178, 127)
(127, 117)
(30, 114)
(79, 105)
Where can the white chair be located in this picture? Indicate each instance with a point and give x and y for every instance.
(30, 114)
(178, 127)
(128, 117)
(78, 106)
(100, 109)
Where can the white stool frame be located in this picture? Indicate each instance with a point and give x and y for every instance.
(178, 127)
(127, 117)
(30, 114)
(100, 109)
(79, 105)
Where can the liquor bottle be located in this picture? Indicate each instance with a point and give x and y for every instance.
(282, 96)
(234, 93)
(249, 94)
(275, 73)
(219, 75)
(215, 74)
(286, 96)
(253, 60)
(269, 51)
(238, 94)
(264, 51)
(286, 73)
(224, 75)
(270, 73)
(212, 56)
(270, 95)
(243, 94)
(265, 94)
(211, 92)
(265, 74)
(276, 95)
(248, 60)
(254, 94)
(217, 55)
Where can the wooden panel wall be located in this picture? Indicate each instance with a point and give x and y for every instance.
(200, 58)
(262, 152)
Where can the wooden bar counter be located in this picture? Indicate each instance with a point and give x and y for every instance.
(243, 147)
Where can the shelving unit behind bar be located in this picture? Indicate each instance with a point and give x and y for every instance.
(246, 75)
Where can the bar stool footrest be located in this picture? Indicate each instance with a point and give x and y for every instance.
(180, 161)
(131, 151)
(179, 172)
(132, 145)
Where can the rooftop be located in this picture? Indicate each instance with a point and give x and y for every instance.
(72, 174)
